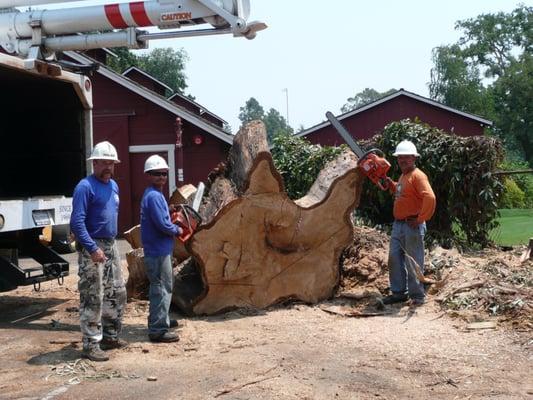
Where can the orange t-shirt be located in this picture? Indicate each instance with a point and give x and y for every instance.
(414, 197)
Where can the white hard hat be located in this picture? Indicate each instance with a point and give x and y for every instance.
(406, 148)
(104, 151)
(155, 162)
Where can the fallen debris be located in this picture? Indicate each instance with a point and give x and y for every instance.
(481, 325)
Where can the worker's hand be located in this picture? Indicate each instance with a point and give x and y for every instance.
(98, 256)
(413, 223)
(171, 207)
(391, 185)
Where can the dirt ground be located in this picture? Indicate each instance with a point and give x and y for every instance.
(344, 348)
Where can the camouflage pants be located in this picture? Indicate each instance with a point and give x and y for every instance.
(102, 295)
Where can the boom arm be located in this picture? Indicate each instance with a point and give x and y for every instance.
(73, 28)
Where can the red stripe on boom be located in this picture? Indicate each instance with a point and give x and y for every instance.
(112, 12)
(139, 14)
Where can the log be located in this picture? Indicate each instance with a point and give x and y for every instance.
(137, 285)
(257, 247)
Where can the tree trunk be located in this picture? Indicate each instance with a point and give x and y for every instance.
(257, 246)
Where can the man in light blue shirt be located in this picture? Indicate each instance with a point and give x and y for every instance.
(157, 235)
(101, 285)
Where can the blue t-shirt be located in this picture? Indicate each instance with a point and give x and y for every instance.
(157, 231)
(94, 211)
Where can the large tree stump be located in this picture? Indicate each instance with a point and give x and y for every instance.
(258, 247)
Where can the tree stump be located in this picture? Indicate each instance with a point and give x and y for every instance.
(257, 246)
(138, 284)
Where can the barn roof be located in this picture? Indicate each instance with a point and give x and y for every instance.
(140, 71)
(154, 98)
(203, 110)
(398, 93)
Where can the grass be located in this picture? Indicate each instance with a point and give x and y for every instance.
(516, 227)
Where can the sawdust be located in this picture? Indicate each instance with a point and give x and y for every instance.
(472, 286)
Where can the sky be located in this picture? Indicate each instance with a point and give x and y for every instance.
(322, 53)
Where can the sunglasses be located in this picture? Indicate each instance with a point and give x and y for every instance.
(158, 173)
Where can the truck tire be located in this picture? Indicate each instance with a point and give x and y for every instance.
(61, 241)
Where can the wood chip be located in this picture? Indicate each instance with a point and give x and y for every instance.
(151, 378)
(481, 325)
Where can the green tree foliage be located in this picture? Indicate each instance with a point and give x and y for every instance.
(460, 171)
(513, 196)
(276, 125)
(489, 72)
(365, 97)
(299, 162)
(251, 111)
(274, 122)
(523, 181)
(165, 64)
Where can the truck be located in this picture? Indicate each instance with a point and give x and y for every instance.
(46, 110)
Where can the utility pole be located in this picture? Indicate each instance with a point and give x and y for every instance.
(287, 103)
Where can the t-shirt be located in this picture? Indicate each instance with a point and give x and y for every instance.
(94, 211)
(414, 197)
(157, 231)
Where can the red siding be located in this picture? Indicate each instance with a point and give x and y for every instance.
(366, 123)
(127, 119)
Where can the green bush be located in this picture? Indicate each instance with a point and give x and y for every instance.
(523, 181)
(299, 162)
(513, 196)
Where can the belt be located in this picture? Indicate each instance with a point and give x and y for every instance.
(410, 218)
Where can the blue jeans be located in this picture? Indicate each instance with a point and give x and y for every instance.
(406, 240)
(159, 271)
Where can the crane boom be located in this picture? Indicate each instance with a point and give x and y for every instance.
(78, 28)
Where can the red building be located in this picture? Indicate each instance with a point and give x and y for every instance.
(366, 121)
(132, 112)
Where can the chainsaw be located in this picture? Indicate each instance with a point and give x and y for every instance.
(187, 217)
(372, 162)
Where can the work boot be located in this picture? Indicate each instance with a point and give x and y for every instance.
(94, 354)
(110, 344)
(166, 337)
(173, 323)
(417, 302)
(395, 298)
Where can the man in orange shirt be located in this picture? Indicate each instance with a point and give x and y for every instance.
(414, 204)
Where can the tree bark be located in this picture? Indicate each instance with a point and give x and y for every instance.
(257, 247)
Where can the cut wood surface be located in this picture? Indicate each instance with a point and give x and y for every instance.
(137, 285)
(258, 247)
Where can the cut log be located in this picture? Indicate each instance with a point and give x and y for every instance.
(137, 285)
(258, 247)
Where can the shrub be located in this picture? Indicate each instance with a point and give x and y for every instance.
(513, 196)
(299, 162)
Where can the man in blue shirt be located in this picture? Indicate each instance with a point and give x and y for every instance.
(101, 285)
(157, 235)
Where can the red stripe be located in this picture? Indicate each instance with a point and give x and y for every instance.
(139, 14)
(112, 12)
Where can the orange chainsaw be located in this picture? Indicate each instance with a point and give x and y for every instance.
(372, 162)
(187, 217)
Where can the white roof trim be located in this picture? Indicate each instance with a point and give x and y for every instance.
(125, 73)
(203, 110)
(155, 98)
(390, 97)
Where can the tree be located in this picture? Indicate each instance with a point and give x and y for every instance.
(252, 110)
(276, 124)
(165, 64)
(365, 97)
(489, 72)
